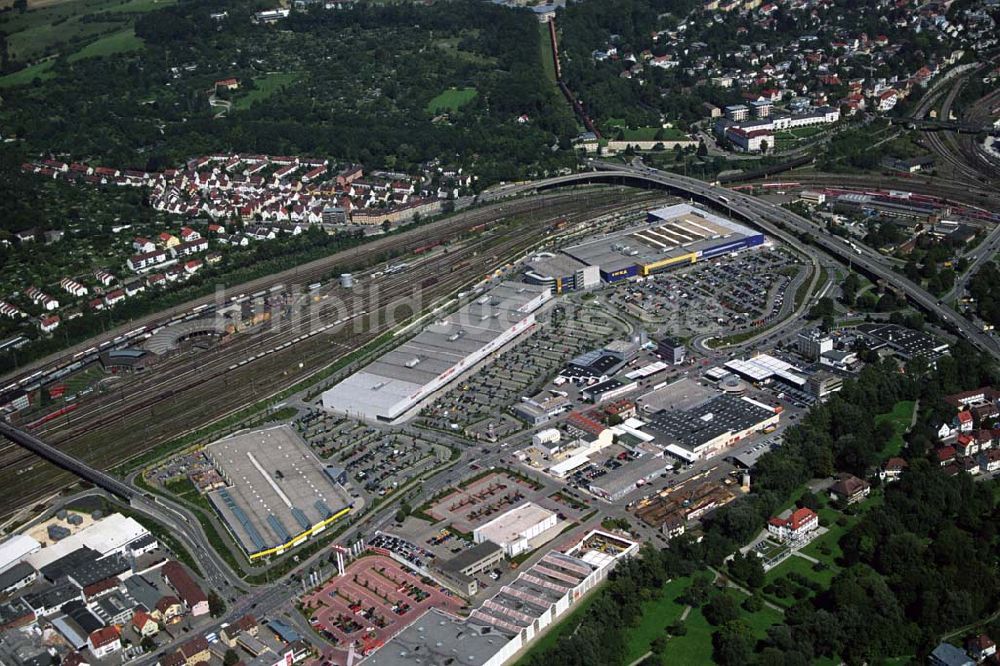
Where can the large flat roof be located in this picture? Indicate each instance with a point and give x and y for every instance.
(509, 526)
(670, 232)
(438, 639)
(694, 427)
(108, 534)
(379, 388)
(277, 487)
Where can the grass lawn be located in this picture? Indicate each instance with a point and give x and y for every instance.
(899, 417)
(548, 59)
(695, 647)
(657, 615)
(643, 133)
(119, 42)
(831, 540)
(451, 100)
(61, 27)
(28, 74)
(265, 86)
(804, 567)
(83, 379)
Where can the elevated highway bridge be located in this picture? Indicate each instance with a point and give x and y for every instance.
(772, 219)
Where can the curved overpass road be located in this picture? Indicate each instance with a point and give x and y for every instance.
(776, 221)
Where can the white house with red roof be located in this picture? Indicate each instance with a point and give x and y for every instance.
(49, 324)
(796, 527)
(104, 641)
(964, 421)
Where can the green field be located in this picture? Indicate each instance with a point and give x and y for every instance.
(28, 74)
(803, 566)
(265, 86)
(451, 100)
(643, 133)
(545, 45)
(67, 26)
(119, 42)
(695, 647)
(899, 417)
(657, 615)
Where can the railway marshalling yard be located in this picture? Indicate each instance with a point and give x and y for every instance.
(184, 392)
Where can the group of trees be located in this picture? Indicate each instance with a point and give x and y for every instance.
(359, 92)
(983, 288)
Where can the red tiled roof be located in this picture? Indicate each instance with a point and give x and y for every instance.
(181, 581)
(104, 636)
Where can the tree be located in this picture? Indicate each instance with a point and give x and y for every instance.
(216, 606)
(230, 658)
(702, 149)
(763, 147)
(147, 643)
(721, 609)
(748, 569)
(731, 645)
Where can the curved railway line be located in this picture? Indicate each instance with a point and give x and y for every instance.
(188, 392)
(366, 254)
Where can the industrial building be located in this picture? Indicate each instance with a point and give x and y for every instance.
(708, 429)
(619, 482)
(398, 381)
(515, 530)
(670, 350)
(479, 558)
(561, 273)
(278, 493)
(672, 236)
(763, 368)
(512, 618)
(113, 535)
(15, 549)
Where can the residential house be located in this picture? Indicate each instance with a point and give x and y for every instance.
(180, 580)
(195, 651)
(989, 461)
(49, 324)
(73, 287)
(104, 642)
(188, 234)
(115, 297)
(980, 647)
(143, 245)
(947, 654)
(964, 421)
(892, 469)
(144, 624)
(168, 610)
(167, 240)
(850, 489)
(945, 455)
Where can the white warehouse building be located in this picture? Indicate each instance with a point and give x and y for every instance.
(389, 387)
(514, 530)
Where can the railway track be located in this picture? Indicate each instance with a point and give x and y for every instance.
(365, 254)
(934, 187)
(191, 392)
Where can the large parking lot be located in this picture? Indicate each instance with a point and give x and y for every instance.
(377, 460)
(718, 296)
(482, 499)
(477, 404)
(375, 600)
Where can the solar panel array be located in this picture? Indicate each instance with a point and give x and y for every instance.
(241, 516)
